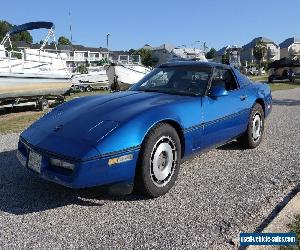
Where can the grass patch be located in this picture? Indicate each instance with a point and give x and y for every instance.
(284, 86)
(80, 94)
(263, 78)
(277, 85)
(17, 122)
(294, 227)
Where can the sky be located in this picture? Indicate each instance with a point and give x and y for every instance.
(133, 23)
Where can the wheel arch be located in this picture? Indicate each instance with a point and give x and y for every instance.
(261, 102)
(177, 128)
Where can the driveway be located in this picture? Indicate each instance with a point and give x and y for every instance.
(218, 194)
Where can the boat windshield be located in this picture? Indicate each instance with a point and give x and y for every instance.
(183, 80)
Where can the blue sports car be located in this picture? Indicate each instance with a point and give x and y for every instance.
(138, 138)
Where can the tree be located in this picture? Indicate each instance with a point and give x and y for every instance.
(145, 56)
(132, 51)
(22, 36)
(225, 58)
(259, 51)
(64, 41)
(211, 53)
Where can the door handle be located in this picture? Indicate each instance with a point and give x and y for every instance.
(243, 97)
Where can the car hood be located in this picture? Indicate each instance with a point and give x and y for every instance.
(85, 121)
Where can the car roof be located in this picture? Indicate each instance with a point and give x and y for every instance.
(194, 63)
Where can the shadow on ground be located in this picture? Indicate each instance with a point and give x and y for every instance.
(233, 145)
(286, 102)
(21, 192)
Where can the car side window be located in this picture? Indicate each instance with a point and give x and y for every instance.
(224, 78)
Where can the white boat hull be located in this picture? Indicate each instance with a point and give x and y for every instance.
(21, 85)
(125, 75)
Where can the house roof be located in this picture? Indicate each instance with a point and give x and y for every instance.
(257, 39)
(222, 51)
(288, 42)
(115, 54)
(21, 44)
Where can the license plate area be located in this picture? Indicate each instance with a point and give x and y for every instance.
(35, 161)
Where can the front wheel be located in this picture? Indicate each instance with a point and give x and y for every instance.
(159, 161)
(253, 136)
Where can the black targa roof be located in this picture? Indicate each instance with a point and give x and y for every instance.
(31, 26)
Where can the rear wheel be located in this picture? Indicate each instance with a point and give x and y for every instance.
(253, 136)
(159, 161)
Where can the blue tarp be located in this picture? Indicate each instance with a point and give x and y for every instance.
(31, 26)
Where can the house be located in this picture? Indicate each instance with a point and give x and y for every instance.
(161, 54)
(75, 55)
(273, 50)
(233, 52)
(290, 48)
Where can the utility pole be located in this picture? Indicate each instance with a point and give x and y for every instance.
(107, 45)
(71, 36)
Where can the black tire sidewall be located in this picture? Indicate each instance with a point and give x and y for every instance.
(257, 108)
(143, 178)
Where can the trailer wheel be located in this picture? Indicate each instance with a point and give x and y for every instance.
(88, 88)
(42, 104)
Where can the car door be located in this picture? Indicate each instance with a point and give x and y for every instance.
(224, 117)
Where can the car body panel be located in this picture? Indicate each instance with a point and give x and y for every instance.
(89, 131)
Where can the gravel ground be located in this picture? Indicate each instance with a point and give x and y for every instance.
(218, 194)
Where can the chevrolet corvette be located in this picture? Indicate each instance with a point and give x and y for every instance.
(139, 137)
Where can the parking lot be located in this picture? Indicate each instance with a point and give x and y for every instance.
(218, 194)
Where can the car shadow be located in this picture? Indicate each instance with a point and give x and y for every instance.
(286, 102)
(233, 145)
(21, 192)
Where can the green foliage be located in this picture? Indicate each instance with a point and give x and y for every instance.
(82, 69)
(259, 51)
(101, 62)
(132, 52)
(265, 65)
(225, 58)
(145, 56)
(64, 41)
(211, 53)
(23, 36)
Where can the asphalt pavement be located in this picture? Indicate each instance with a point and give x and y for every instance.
(218, 194)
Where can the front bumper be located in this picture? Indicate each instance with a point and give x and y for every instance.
(94, 172)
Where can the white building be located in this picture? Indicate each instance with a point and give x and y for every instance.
(290, 48)
(273, 50)
(233, 52)
(75, 54)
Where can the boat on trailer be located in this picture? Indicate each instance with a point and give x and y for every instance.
(32, 74)
(126, 71)
(96, 78)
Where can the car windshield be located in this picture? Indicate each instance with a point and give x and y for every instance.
(181, 80)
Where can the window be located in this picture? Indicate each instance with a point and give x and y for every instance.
(181, 80)
(224, 78)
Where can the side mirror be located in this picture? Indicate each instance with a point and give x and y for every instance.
(218, 91)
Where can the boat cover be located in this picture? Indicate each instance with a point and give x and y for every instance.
(31, 26)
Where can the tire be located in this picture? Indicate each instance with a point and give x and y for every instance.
(43, 104)
(159, 161)
(253, 136)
